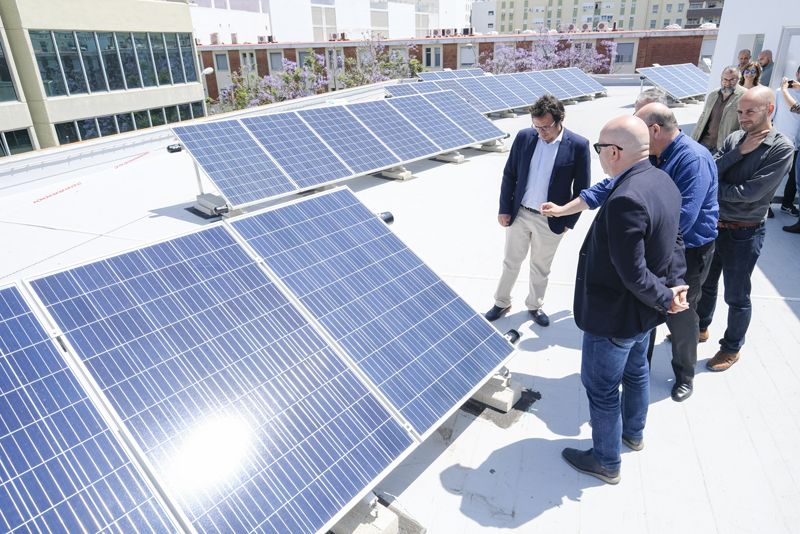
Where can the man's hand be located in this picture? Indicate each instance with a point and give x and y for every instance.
(551, 210)
(679, 303)
(504, 219)
(753, 141)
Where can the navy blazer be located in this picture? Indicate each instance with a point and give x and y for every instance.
(632, 255)
(571, 175)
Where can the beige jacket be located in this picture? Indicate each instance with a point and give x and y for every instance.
(730, 119)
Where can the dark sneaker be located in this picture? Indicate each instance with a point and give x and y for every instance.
(770, 214)
(584, 462)
(791, 210)
(495, 313)
(634, 444)
(793, 229)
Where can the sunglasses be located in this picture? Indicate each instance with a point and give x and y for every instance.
(598, 146)
(748, 71)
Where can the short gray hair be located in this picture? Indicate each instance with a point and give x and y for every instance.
(653, 94)
(731, 68)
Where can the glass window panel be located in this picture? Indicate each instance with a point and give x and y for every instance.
(185, 111)
(88, 129)
(222, 61)
(66, 133)
(2, 150)
(275, 61)
(19, 141)
(142, 119)
(174, 58)
(46, 59)
(157, 116)
(160, 57)
(188, 57)
(128, 60)
(197, 110)
(107, 126)
(145, 60)
(108, 49)
(71, 63)
(172, 114)
(91, 61)
(125, 122)
(7, 92)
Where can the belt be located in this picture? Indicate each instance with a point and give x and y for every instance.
(529, 209)
(737, 225)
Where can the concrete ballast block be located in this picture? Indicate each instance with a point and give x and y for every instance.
(451, 157)
(501, 392)
(368, 516)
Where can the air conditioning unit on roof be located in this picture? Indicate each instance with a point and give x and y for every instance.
(517, 31)
(262, 39)
(436, 33)
(448, 32)
(197, 41)
(333, 37)
(234, 38)
(468, 31)
(586, 27)
(572, 28)
(271, 39)
(343, 36)
(602, 26)
(214, 38)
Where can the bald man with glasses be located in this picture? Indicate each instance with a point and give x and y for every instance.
(547, 163)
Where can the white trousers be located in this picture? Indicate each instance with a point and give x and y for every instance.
(529, 231)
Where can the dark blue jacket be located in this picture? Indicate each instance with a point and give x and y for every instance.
(571, 175)
(632, 255)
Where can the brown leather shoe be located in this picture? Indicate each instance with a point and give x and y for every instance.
(722, 360)
(703, 337)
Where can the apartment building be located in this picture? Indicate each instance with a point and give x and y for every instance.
(84, 69)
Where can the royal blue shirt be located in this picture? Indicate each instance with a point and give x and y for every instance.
(692, 168)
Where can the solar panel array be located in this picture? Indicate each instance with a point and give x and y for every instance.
(266, 156)
(251, 413)
(491, 94)
(679, 81)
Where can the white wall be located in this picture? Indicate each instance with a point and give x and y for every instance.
(481, 18)
(248, 26)
(352, 18)
(291, 20)
(452, 14)
(401, 21)
(741, 22)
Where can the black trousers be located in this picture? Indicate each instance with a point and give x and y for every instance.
(685, 326)
(791, 185)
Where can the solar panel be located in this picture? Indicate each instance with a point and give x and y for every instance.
(502, 92)
(429, 76)
(462, 74)
(680, 81)
(359, 148)
(248, 417)
(588, 80)
(465, 115)
(432, 122)
(525, 94)
(413, 336)
(576, 81)
(394, 130)
(427, 87)
(530, 83)
(401, 89)
(549, 86)
(239, 168)
(476, 72)
(300, 153)
(61, 466)
(696, 75)
(487, 98)
(557, 80)
(447, 75)
(457, 88)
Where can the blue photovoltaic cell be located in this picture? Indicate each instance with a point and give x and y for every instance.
(462, 74)
(401, 89)
(349, 139)
(300, 153)
(476, 72)
(695, 76)
(394, 130)
(588, 80)
(527, 96)
(457, 88)
(427, 87)
(61, 466)
(576, 81)
(250, 420)
(432, 122)
(550, 87)
(530, 83)
(412, 335)
(680, 81)
(465, 115)
(447, 75)
(479, 91)
(501, 91)
(233, 160)
(429, 76)
(554, 77)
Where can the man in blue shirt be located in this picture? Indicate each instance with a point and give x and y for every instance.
(694, 172)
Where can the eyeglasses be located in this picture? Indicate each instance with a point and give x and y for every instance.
(543, 128)
(748, 71)
(598, 146)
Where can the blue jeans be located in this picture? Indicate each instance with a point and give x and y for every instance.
(735, 256)
(605, 364)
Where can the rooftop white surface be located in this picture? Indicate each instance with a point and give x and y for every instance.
(723, 461)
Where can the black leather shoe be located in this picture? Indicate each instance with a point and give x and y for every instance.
(495, 313)
(793, 229)
(540, 317)
(770, 213)
(634, 444)
(681, 391)
(584, 462)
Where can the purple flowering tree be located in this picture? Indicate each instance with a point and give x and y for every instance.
(375, 62)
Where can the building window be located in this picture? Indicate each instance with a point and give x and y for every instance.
(652, 24)
(467, 56)
(680, 8)
(491, 25)
(222, 61)
(666, 22)
(655, 8)
(15, 142)
(7, 91)
(679, 22)
(433, 57)
(276, 61)
(669, 8)
(301, 58)
(491, 13)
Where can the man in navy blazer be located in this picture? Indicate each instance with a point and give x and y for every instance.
(547, 163)
(630, 275)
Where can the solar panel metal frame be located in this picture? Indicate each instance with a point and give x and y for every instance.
(150, 472)
(406, 87)
(446, 75)
(476, 92)
(476, 72)
(530, 83)
(461, 73)
(502, 92)
(429, 76)
(457, 88)
(458, 101)
(556, 78)
(329, 338)
(594, 84)
(661, 77)
(518, 88)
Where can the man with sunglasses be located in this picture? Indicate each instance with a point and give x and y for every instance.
(629, 277)
(546, 163)
(718, 119)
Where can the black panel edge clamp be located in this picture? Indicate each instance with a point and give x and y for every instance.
(386, 216)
